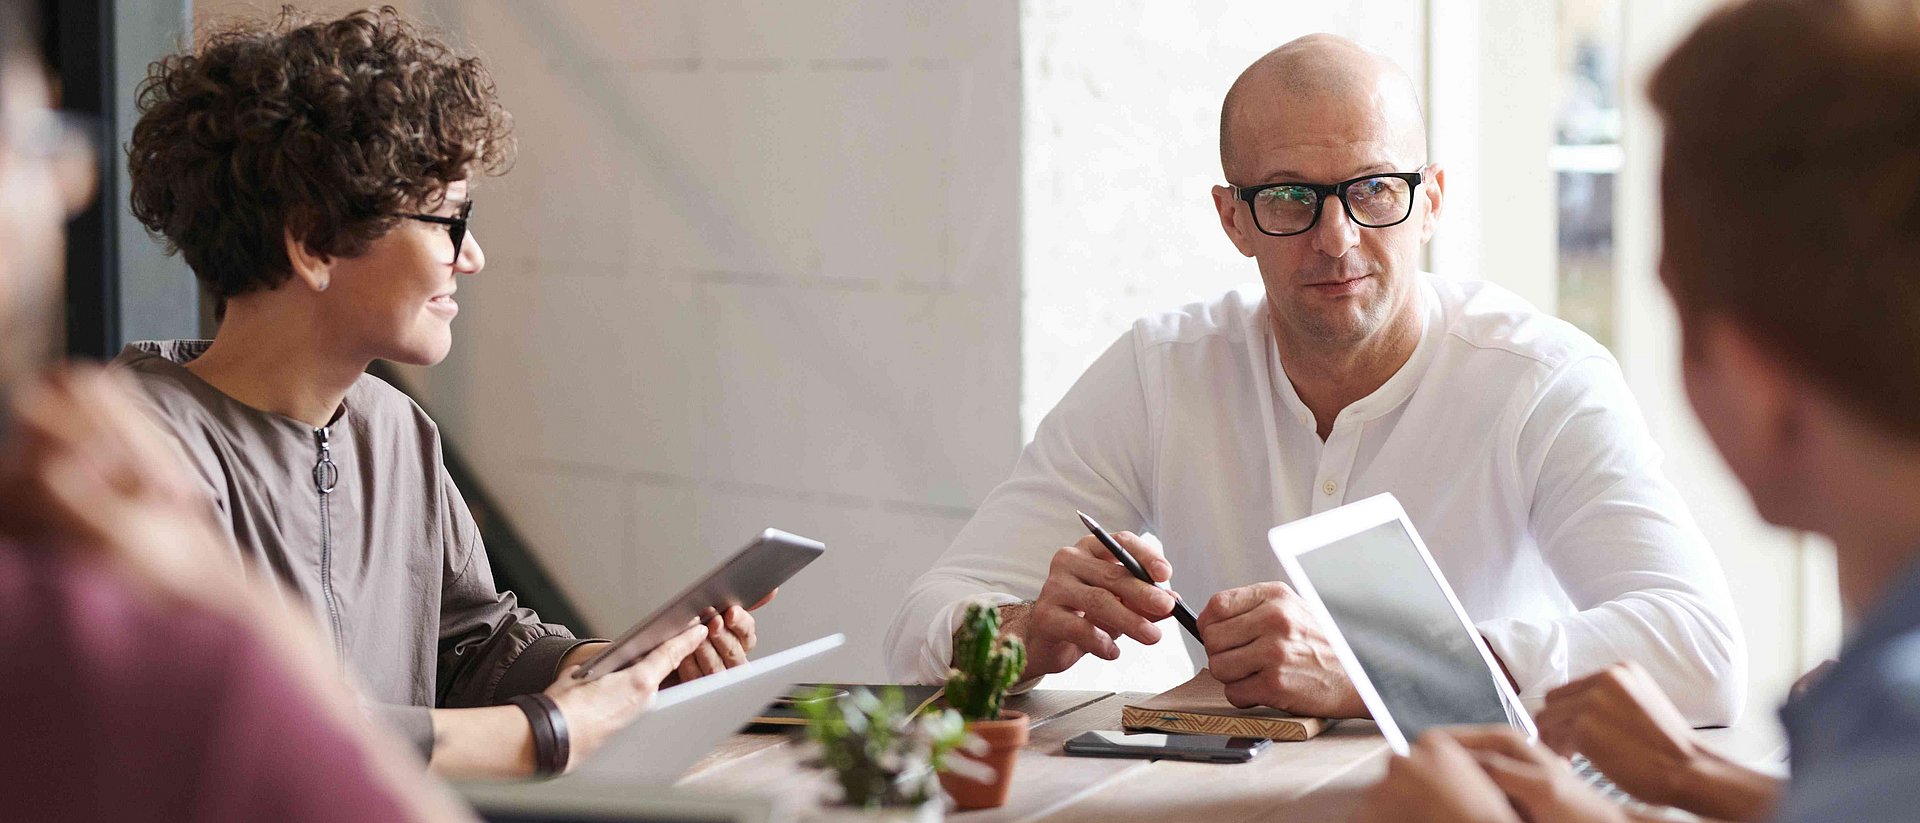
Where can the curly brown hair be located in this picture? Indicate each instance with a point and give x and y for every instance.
(329, 128)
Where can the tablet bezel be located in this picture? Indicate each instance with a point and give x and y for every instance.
(1323, 531)
(741, 579)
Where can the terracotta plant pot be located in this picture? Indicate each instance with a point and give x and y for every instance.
(1003, 737)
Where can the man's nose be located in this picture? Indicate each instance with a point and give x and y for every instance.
(1336, 234)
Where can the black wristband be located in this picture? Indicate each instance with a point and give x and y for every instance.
(551, 743)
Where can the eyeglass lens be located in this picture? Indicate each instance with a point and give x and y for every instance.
(459, 230)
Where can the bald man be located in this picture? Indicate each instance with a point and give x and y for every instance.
(1509, 437)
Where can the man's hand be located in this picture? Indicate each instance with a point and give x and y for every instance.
(1439, 782)
(1536, 781)
(596, 709)
(1265, 648)
(1088, 600)
(1621, 721)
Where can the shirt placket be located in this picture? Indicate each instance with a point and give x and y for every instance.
(1336, 465)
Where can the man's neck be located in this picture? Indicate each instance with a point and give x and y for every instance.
(1869, 496)
(1329, 377)
(278, 362)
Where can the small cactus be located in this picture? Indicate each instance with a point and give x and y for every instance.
(985, 662)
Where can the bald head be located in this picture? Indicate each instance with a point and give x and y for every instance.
(1319, 89)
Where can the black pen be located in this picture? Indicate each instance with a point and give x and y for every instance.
(1180, 610)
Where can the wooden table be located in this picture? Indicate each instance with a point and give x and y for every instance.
(1320, 779)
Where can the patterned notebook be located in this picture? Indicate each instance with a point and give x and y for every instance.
(1199, 706)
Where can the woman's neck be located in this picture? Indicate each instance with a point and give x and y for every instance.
(278, 363)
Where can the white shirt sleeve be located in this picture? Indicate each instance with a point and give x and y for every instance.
(1090, 453)
(1624, 547)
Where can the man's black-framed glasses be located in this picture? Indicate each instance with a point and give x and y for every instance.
(1375, 201)
(456, 226)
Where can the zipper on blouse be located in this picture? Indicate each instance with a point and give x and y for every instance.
(325, 476)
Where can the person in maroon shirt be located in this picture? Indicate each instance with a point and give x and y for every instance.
(144, 677)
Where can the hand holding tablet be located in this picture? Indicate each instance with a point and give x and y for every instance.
(746, 579)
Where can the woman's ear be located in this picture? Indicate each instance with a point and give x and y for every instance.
(314, 270)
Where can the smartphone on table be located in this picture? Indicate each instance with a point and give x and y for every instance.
(1205, 748)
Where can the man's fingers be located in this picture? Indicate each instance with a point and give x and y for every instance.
(1148, 601)
(1234, 602)
(1146, 551)
(1500, 739)
(765, 600)
(1107, 611)
(657, 664)
(1144, 548)
(1058, 623)
(1527, 785)
(1239, 663)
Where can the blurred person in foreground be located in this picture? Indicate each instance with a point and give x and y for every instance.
(144, 679)
(1791, 198)
(314, 174)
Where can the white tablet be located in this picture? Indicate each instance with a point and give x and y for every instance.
(1403, 638)
(743, 580)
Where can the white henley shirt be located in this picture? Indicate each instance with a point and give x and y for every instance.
(1509, 436)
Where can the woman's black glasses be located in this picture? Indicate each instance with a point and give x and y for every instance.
(456, 226)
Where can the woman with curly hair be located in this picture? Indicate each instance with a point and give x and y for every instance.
(315, 176)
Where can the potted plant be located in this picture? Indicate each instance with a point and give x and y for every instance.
(986, 663)
(883, 758)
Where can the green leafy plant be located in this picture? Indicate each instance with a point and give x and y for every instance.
(985, 662)
(880, 753)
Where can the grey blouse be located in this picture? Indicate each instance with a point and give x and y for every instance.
(361, 521)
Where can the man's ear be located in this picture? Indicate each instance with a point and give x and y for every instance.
(1434, 187)
(313, 270)
(1775, 403)
(1231, 220)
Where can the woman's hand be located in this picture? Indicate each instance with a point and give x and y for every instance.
(730, 636)
(596, 709)
(85, 471)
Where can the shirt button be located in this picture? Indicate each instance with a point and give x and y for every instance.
(1328, 487)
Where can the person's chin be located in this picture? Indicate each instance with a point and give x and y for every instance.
(425, 349)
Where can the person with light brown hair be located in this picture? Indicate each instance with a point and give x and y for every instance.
(316, 175)
(1790, 189)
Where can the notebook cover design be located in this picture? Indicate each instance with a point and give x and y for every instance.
(1199, 706)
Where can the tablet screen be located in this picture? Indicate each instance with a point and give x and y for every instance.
(1388, 604)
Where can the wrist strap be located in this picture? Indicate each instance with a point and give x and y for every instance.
(552, 745)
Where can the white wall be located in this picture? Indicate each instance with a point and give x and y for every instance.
(757, 266)
(1490, 103)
